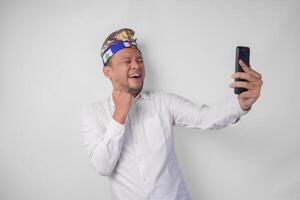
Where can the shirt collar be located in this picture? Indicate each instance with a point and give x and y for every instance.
(143, 94)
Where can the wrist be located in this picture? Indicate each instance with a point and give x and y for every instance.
(246, 108)
(119, 117)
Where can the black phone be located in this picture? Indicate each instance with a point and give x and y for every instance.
(242, 53)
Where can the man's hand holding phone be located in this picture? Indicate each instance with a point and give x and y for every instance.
(253, 85)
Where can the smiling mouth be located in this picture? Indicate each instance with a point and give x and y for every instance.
(136, 77)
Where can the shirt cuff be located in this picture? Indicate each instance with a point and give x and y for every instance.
(115, 128)
(237, 110)
(235, 106)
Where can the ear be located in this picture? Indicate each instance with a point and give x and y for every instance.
(107, 71)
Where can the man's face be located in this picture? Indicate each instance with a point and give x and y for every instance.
(126, 70)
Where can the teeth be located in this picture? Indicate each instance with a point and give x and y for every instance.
(134, 75)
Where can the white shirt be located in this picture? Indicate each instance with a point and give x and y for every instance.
(139, 156)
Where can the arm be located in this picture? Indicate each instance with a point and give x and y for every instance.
(185, 113)
(104, 144)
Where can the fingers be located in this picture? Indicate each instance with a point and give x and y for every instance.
(245, 76)
(249, 69)
(248, 74)
(255, 73)
(244, 66)
(118, 87)
(248, 94)
(242, 84)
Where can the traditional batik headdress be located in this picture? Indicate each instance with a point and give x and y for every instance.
(120, 39)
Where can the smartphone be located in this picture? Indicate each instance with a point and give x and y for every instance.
(242, 53)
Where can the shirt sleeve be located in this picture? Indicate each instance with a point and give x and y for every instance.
(104, 144)
(186, 113)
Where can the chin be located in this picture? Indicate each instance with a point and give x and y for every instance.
(135, 90)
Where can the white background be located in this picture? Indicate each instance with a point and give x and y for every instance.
(50, 67)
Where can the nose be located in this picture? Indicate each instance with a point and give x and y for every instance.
(135, 65)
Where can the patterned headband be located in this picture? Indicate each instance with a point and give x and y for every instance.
(116, 41)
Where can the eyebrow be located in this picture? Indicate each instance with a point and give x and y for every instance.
(127, 57)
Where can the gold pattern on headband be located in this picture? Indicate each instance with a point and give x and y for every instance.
(119, 35)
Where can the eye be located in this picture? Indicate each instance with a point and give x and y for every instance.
(127, 61)
(140, 60)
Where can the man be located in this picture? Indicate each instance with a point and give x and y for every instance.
(129, 135)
